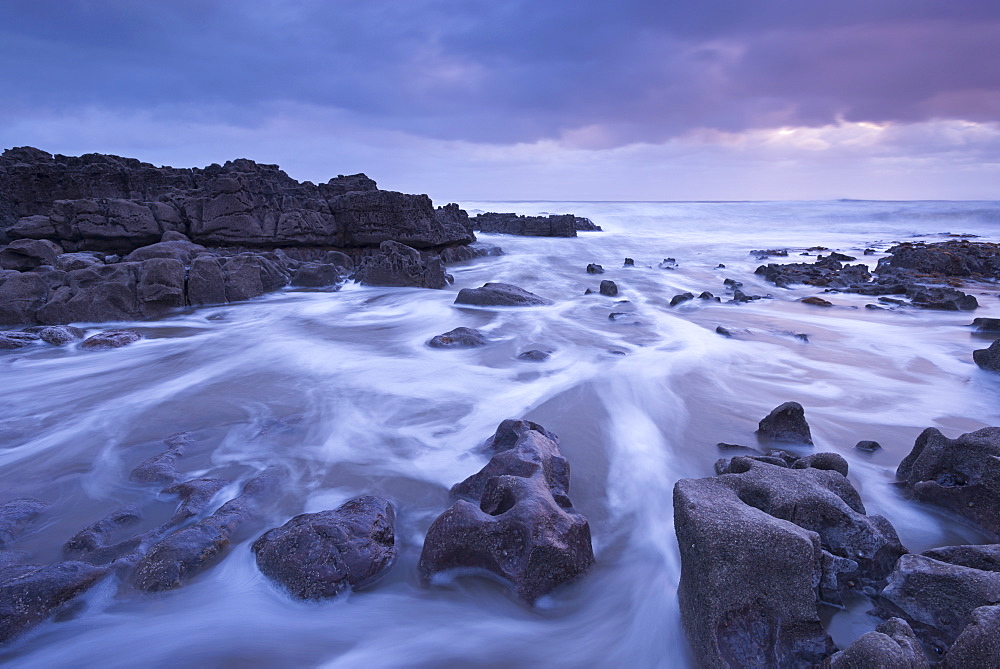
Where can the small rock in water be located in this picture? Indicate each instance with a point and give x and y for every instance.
(988, 358)
(16, 515)
(720, 266)
(869, 446)
(535, 356)
(615, 315)
(874, 306)
(499, 295)
(725, 332)
(11, 340)
(802, 336)
(459, 338)
(594, 268)
(668, 263)
(609, 288)
(732, 284)
(817, 301)
(588, 292)
(683, 297)
(986, 324)
(111, 339)
(320, 555)
(629, 262)
(787, 423)
(705, 295)
(57, 335)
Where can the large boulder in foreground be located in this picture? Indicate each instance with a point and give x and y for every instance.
(962, 475)
(499, 295)
(514, 518)
(319, 555)
(785, 423)
(760, 545)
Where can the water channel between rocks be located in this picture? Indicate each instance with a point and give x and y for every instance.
(340, 392)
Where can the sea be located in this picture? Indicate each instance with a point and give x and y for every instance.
(340, 393)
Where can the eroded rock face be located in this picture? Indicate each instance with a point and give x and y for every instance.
(319, 555)
(514, 518)
(786, 423)
(499, 295)
(760, 545)
(554, 225)
(962, 475)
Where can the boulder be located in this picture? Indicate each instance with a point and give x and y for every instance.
(979, 643)
(206, 281)
(176, 249)
(22, 294)
(68, 262)
(988, 358)
(990, 325)
(609, 288)
(459, 338)
(110, 339)
(319, 555)
(892, 645)
(248, 275)
(535, 355)
(31, 593)
(315, 275)
(27, 254)
(683, 297)
(398, 265)
(760, 545)
(594, 268)
(786, 423)
(514, 518)
(817, 301)
(943, 298)
(962, 475)
(499, 295)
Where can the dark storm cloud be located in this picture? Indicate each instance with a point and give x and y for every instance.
(510, 71)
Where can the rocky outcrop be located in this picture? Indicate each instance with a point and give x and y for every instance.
(320, 555)
(499, 295)
(97, 238)
(514, 518)
(553, 225)
(760, 545)
(962, 475)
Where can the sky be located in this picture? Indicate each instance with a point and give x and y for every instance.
(525, 100)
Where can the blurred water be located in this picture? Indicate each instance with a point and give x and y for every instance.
(340, 392)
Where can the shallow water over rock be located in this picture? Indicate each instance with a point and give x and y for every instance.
(341, 396)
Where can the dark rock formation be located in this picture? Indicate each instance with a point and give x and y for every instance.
(319, 555)
(785, 423)
(868, 446)
(990, 325)
(186, 553)
(400, 265)
(817, 301)
(942, 298)
(197, 236)
(499, 295)
(725, 332)
(11, 340)
(988, 358)
(514, 518)
(962, 475)
(110, 339)
(459, 338)
(535, 355)
(161, 468)
(585, 224)
(950, 258)
(594, 268)
(564, 225)
(629, 262)
(892, 645)
(31, 593)
(682, 297)
(57, 335)
(759, 545)
(979, 643)
(91, 543)
(609, 288)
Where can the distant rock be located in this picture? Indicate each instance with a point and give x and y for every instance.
(535, 355)
(499, 295)
(554, 225)
(817, 301)
(593, 268)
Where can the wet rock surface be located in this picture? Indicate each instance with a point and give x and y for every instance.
(785, 423)
(110, 339)
(499, 295)
(962, 474)
(892, 644)
(553, 225)
(514, 518)
(459, 338)
(988, 358)
(398, 265)
(319, 555)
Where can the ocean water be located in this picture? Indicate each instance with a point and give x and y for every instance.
(339, 392)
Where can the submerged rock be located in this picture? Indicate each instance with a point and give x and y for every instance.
(499, 295)
(514, 518)
(535, 355)
(16, 515)
(57, 335)
(787, 423)
(892, 645)
(962, 475)
(319, 555)
(31, 593)
(11, 340)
